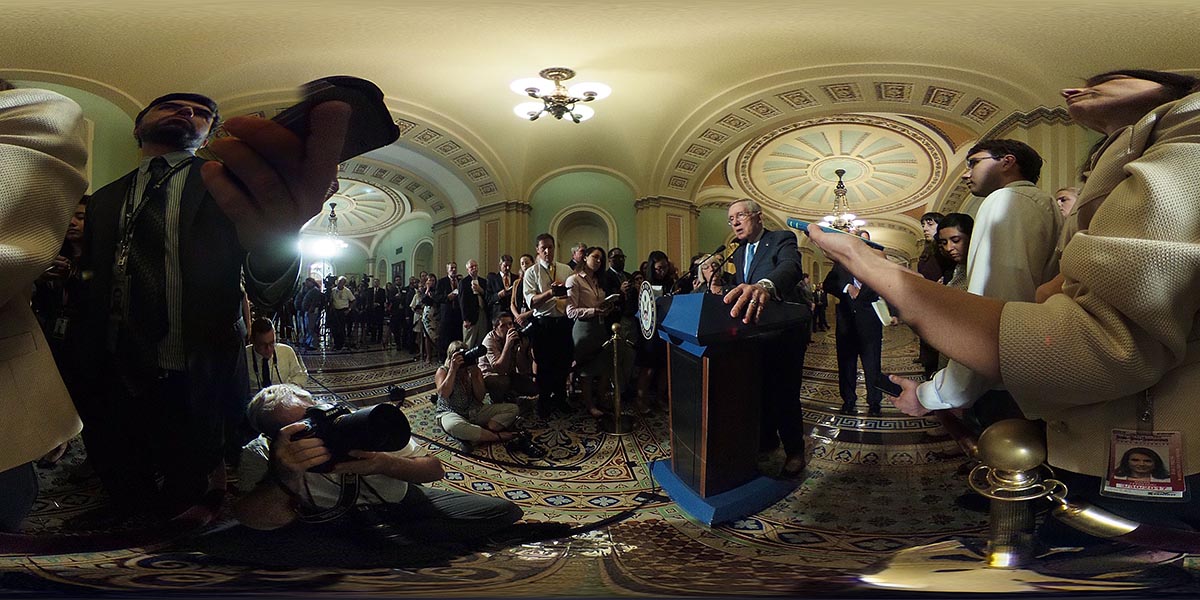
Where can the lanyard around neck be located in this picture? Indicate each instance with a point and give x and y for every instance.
(134, 208)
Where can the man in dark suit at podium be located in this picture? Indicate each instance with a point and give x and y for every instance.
(859, 334)
(768, 269)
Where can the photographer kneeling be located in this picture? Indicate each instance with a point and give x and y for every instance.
(508, 365)
(280, 486)
(460, 407)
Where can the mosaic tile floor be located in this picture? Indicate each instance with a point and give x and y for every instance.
(875, 486)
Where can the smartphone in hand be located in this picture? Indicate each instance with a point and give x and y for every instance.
(886, 386)
(803, 227)
(371, 125)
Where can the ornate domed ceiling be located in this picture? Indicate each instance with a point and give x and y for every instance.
(891, 165)
(361, 209)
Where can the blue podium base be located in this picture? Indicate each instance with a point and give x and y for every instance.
(746, 499)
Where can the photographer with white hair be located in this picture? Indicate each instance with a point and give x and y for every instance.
(280, 486)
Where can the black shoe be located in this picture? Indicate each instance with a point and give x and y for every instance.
(849, 411)
(875, 412)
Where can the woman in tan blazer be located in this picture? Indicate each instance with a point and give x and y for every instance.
(1127, 319)
(42, 158)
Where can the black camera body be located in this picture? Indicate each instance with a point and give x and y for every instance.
(559, 290)
(527, 329)
(472, 355)
(380, 428)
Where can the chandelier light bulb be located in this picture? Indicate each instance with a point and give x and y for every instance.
(542, 86)
(597, 91)
(528, 110)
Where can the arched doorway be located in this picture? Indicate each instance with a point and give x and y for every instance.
(423, 257)
(585, 223)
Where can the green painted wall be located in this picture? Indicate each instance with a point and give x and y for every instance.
(113, 152)
(713, 228)
(352, 260)
(405, 235)
(587, 187)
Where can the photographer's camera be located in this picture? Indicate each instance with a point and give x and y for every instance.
(380, 428)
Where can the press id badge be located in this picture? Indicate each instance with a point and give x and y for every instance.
(1145, 466)
(60, 328)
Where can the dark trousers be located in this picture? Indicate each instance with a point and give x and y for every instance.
(434, 515)
(991, 408)
(929, 359)
(375, 320)
(336, 321)
(852, 346)
(18, 489)
(157, 424)
(553, 349)
(819, 319)
(783, 365)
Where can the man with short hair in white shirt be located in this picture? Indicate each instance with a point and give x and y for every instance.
(545, 290)
(1011, 254)
(340, 299)
(269, 362)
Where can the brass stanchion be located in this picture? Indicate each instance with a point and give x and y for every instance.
(1011, 454)
(618, 424)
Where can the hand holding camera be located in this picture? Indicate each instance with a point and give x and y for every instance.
(291, 456)
(512, 337)
(558, 289)
(470, 356)
(338, 431)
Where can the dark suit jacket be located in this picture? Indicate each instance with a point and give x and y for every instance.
(210, 261)
(469, 304)
(776, 258)
(495, 283)
(451, 313)
(853, 314)
(378, 296)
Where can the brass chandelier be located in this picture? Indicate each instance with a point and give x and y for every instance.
(842, 218)
(555, 98)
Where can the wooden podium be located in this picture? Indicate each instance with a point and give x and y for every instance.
(715, 380)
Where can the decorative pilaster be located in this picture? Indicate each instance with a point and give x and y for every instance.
(667, 224)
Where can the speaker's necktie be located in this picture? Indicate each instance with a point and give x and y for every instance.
(147, 269)
(749, 261)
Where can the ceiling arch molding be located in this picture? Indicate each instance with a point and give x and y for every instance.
(550, 176)
(421, 195)
(972, 101)
(116, 96)
(720, 196)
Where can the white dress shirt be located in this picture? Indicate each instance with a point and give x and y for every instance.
(1011, 254)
